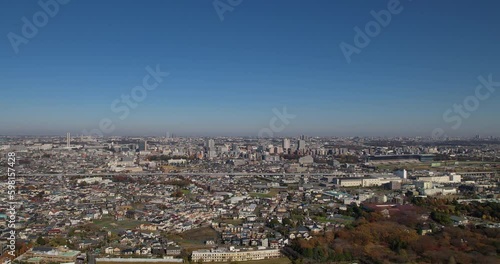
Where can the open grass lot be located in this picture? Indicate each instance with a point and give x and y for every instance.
(107, 262)
(266, 261)
(111, 224)
(340, 220)
(232, 221)
(270, 194)
(445, 165)
(404, 165)
(195, 239)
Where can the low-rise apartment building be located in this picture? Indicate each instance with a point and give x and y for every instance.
(218, 255)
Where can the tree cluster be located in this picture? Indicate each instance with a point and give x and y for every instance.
(375, 239)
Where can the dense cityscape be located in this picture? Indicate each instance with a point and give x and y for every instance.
(249, 132)
(174, 199)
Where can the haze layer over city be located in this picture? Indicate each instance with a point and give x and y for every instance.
(260, 132)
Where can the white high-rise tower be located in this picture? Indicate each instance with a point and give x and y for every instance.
(286, 143)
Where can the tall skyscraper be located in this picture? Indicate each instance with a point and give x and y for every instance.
(286, 144)
(211, 144)
(143, 145)
(301, 145)
(68, 140)
(235, 148)
(211, 151)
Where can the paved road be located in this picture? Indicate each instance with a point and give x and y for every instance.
(178, 173)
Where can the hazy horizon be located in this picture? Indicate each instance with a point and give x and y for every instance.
(225, 77)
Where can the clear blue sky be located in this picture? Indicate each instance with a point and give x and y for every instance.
(227, 76)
